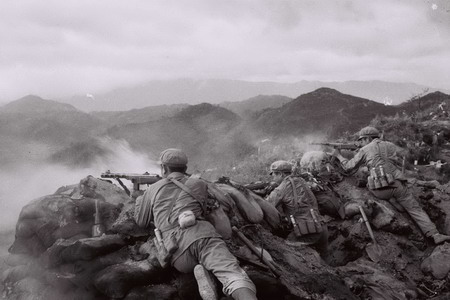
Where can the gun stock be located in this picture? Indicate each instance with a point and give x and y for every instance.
(340, 146)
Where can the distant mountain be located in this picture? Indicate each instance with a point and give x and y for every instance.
(324, 111)
(35, 105)
(209, 133)
(32, 128)
(247, 107)
(206, 132)
(142, 115)
(426, 102)
(215, 91)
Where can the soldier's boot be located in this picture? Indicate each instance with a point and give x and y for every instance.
(439, 238)
(206, 284)
(244, 294)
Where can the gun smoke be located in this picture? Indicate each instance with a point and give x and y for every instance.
(29, 180)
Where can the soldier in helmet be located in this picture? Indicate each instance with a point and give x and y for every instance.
(379, 157)
(295, 199)
(174, 206)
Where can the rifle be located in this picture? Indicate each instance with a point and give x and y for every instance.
(339, 146)
(261, 187)
(136, 179)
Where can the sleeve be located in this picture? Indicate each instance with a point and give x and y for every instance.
(353, 163)
(275, 197)
(143, 211)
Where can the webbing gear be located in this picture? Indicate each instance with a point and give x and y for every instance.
(384, 179)
(308, 191)
(189, 191)
(172, 204)
(305, 227)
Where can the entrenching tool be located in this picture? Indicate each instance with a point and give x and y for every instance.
(252, 248)
(374, 251)
(97, 229)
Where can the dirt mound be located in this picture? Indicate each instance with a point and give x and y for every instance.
(54, 255)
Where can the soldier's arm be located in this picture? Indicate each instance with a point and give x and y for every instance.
(354, 163)
(275, 197)
(143, 212)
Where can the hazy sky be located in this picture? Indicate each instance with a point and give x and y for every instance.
(57, 48)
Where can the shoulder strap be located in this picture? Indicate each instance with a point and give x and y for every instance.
(308, 191)
(172, 204)
(294, 190)
(188, 191)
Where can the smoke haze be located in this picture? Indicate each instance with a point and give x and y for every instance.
(24, 182)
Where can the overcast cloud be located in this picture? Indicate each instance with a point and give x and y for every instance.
(60, 48)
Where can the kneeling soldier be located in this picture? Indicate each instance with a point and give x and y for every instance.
(294, 198)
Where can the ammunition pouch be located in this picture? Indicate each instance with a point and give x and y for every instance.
(165, 250)
(307, 227)
(380, 182)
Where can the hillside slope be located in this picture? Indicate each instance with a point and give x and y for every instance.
(206, 132)
(245, 108)
(31, 128)
(324, 110)
(142, 115)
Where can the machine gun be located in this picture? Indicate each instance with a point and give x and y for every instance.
(136, 179)
(339, 146)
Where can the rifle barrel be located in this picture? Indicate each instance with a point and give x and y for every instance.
(348, 146)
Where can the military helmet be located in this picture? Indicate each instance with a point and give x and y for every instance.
(368, 132)
(281, 166)
(173, 158)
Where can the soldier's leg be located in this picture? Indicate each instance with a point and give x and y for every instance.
(404, 197)
(214, 255)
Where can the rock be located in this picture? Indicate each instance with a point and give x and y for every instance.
(19, 259)
(349, 244)
(156, 292)
(54, 257)
(95, 188)
(82, 273)
(125, 223)
(89, 248)
(373, 282)
(28, 246)
(30, 286)
(115, 281)
(382, 215)
(268, 287)
(20, 272)
(438, 263)
(66, 251)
